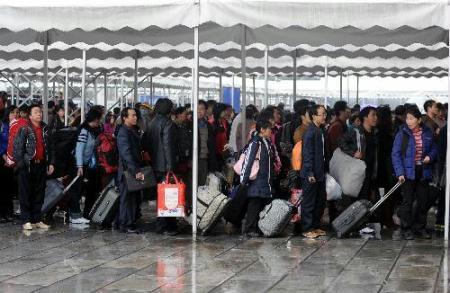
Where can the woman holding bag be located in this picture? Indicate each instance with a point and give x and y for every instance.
(413, 154)
(259, 189)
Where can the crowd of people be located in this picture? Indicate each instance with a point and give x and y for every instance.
(400, 144)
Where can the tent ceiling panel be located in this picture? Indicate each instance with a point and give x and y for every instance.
(213, 33)
(103, 51)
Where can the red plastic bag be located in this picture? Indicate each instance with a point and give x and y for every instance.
(171, 197)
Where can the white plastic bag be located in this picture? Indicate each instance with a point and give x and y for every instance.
(334, 190)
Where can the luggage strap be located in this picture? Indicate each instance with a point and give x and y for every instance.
(383, 198)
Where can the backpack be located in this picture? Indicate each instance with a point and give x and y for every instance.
(65, 140)
(107, 153)
(14, 128)
(296, 160)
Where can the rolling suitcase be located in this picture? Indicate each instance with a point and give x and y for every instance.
(210, 206)
(105, 207)
(357, 213)
(54, 192)
(275, 217)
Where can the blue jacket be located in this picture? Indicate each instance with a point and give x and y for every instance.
(261, 186)
(4, 137)
(313, 156)
(85, 149)
(405, 164)
(130, 151)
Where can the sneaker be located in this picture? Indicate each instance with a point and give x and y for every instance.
(320, 232)
(408, 235)
(79, 221)
(41, 225)
(423, 234)
(310, 235)
(27, 226)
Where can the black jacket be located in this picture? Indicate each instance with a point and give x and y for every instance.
(212, 158)
(160, 142)
(349, 145)
(130, 151)
(313, 154)
(25, 146)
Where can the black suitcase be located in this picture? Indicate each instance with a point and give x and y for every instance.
(54, 192)
(106, 206)
(236, 208)
(355, 215)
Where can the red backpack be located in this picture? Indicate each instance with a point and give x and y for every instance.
(107, 153)
(14, 128)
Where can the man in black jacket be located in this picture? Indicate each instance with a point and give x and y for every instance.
(361, 143)
(313, 174)
(160, 143)
(33, 157)
(130, 160)
(207, 161)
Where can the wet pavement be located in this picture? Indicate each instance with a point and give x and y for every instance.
(66, 259)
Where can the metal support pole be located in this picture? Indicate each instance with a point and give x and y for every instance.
(340, 86)
(447, 181)
(348, 88)
(294, 74)
(95, 92)
(254, 90)
(357, 89)
(66, 98)
(151, 89)
(220, 87)
(45, 79)
(83, 88)
(244, 86)
(53, 89)
(17, 80)
(105, 90)
(12, 90)
(195, 87)
(135, 100)
(121, 92)
(326, 84)
(116, 93)
(266, 77)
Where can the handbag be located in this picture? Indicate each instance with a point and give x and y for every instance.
(137, 185)
(255, 166)
(171, 200)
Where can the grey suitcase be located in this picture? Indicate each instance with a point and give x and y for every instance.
(106, 206)
(210, 206)
(54, 192)
(355, 215)
(275, 216)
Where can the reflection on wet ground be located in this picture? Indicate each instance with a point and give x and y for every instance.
(66, 259)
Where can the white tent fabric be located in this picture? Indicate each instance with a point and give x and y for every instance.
(139, 14)
(403, 29)
(333, 14)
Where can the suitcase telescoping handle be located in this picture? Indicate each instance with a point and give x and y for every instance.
(70, 184)
(384, 197)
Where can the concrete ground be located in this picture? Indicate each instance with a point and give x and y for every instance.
(69, 259)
